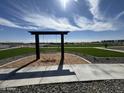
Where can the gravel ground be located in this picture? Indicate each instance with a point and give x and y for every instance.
(106, 60)
(102, 60)
(106, 86)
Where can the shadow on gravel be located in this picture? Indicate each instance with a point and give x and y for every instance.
(25, 75)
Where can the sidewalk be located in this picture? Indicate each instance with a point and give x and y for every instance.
(110, 49)
(69, 73)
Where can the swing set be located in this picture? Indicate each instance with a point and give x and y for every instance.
(37, 33)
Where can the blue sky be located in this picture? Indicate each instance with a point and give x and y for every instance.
(87, 20)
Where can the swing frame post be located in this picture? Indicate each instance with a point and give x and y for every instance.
(37, 33)
(37, 46)
(62, 46)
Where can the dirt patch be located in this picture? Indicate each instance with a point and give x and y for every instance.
(46, 60)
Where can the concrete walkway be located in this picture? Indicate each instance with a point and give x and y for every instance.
(69, 73)
(115, 50)
(9, 48)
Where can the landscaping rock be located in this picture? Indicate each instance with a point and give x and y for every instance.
(105, 86)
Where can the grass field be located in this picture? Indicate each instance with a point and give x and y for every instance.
(84, 45)
(82, 51)
(81, 45)
(95, 52)
(15, 52)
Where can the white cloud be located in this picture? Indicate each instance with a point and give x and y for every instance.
(86, 24)
(49, 22)
(44, 21)
(94, 8)
(119, 15)
(99, 22)
(41, 21)
(8, 23)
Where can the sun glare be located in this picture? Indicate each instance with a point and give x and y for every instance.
(64, 3)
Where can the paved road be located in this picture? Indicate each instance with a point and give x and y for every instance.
(70, 73)
(122, 51)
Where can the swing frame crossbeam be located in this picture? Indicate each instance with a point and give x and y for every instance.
(37, 33)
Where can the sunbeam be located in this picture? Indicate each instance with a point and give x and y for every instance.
(64, 3)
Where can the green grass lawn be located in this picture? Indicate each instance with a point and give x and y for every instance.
(84, 45)
(82, 51)
(81, 45)
(15, 52)
(95, 52)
